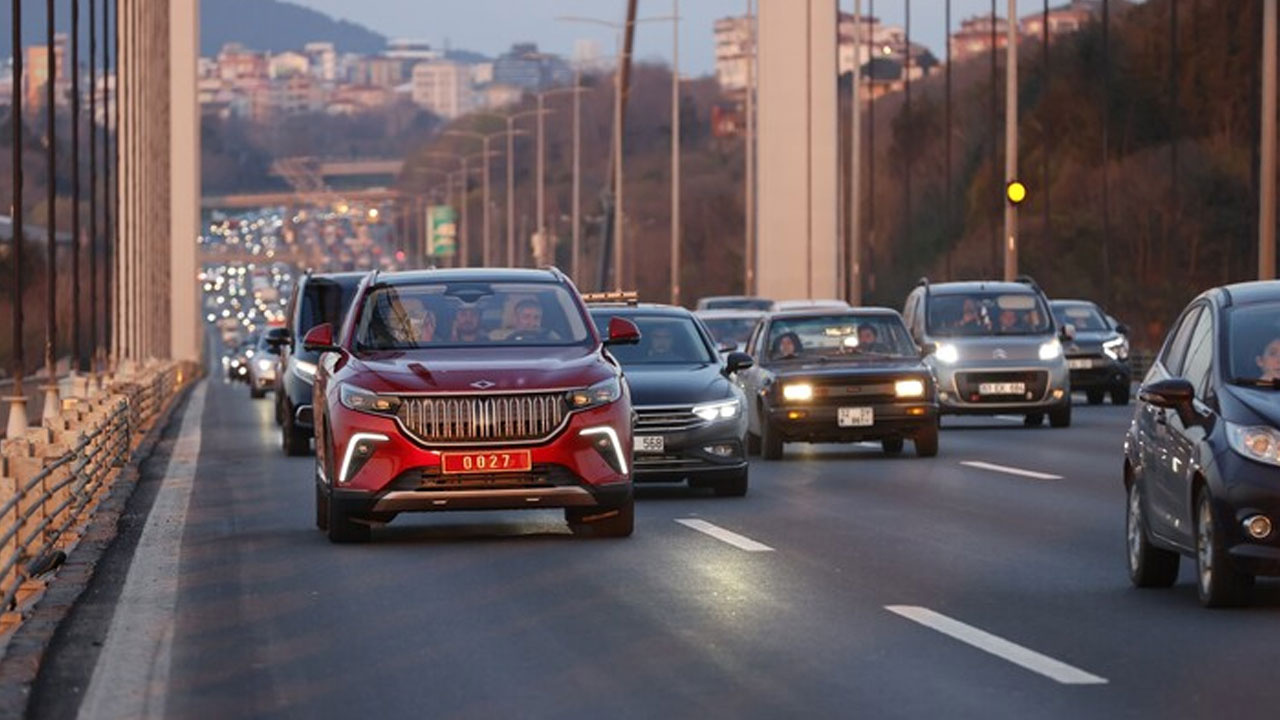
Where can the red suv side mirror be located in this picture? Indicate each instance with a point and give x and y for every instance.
(622, 332)
(320, 339)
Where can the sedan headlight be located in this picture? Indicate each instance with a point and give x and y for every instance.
(1256, 443)
(797, 392)
(909, 388)
(264, 365)
(722, 410)
(1117, 348)
(306, 371)
(1051, 350)
(362, 400)
(602, 393)
(947, 353)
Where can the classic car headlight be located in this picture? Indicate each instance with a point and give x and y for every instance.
(947, 353)
(602, 393)
(362, 400)
(908, 388)
(1259, 443)
(721, 410)
(305, 370)
(1051, 350)
(798, 392)
(264, 364)
(1117, 348)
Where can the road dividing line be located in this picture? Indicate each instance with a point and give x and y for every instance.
(1009, 470)
(131, 677)
(728, 536)
(1018, 655)
(1009, 418)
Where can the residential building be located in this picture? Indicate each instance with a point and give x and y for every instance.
(442, 87)
(36, 73)
(380, 71)
(733, 52)
(496, 96)
(236, 63)
(976, 35)
(356, 99)
(524, 66)
(324, 60)
(288, 64)
(1063, 20)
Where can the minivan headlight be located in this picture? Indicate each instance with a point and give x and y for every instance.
(362, 400)
(947, 353)
(1117, 348)
(722, 410)
(602, 393)
(1051, 350)
(1260, 443)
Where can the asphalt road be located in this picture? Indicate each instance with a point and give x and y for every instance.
(507, 615)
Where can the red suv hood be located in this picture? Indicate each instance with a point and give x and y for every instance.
(471, 370)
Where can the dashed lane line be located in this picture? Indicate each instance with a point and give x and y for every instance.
(741, 542)
(1055, 670)
(1009, 470)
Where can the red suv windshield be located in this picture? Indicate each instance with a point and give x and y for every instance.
(469, 314)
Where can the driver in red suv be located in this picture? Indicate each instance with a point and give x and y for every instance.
(470, 389)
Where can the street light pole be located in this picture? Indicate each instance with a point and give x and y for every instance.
(487, 248)
(51, 247)
(675, 152)
(749, 223)
(855, 164)
(1011, 142)
(1267, 202)
(18, 401)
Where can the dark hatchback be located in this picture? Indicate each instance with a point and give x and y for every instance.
(1202, 455)
(1097, 353)
(690, 417)
(316, 299)
(837, 376)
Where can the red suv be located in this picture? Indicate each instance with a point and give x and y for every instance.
(470, 389)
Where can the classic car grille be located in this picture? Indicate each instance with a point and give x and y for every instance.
(487, 418)
(844, 391)
(658, 420)
(1036, 382)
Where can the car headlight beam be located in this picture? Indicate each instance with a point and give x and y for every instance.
(602, 393)
(947, 353)
(1051, 350)
(1259, 443)
(797, 392)
(909, 388)
(362, 400)
(1117, 348)
(305, 371)
(722, 410)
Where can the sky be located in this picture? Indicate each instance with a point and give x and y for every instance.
(491, 26)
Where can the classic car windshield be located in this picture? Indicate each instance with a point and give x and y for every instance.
(837, 336)
(469, 314)
(1254, 342)
(731, 330)
(988, 313)
(664, 340)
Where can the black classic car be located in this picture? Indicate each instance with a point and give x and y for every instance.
(838, 376)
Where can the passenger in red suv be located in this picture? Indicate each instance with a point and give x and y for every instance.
(418, 409)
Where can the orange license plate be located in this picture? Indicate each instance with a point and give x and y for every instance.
(495, 461)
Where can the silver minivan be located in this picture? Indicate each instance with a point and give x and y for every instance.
(994, 347)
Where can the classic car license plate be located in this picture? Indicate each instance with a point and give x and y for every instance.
(650, 444)
(1080, 364)
(1002, 388)
(855, 416)
(494, 461)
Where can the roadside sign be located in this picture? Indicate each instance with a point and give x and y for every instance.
(442, 224)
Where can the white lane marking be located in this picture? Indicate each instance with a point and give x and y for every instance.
(1009, 418)
(869, 445)
(131, 677)
(728, 536)
(1009, 470)
(1055, 670)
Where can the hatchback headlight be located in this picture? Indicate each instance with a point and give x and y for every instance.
(1256, 443)
(722, 410)
(947, 353)
(264, 365)
(909, 388)
(362, 400)
(305, 370)
(798, 392)
(1117, 348)
(602, 393)
(1051, 350)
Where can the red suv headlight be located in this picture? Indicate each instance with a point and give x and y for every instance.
(602, 393)
(362, 400)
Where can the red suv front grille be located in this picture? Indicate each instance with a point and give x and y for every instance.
(482, 419)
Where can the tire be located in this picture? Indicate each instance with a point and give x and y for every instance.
(892, 445)
(753, 444)
(926, 441)
(617, 522)
(279, 409)
(342, 529)
(1217, 582)
(255, 393)
(1096, 396)
(1149, 566)
(1120, 395)
(1060, 417)
(1033, 419)
(734, 487)
(322, 507)
(770, 441)
(295, 441)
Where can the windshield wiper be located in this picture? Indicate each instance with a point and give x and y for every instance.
(1257, 382)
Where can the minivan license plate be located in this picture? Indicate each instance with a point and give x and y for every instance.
(1002, 388)
(855, 416)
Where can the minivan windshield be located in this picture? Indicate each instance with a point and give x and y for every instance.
(1254, 343)
(469, 314)
(987, 313)
(829, 337)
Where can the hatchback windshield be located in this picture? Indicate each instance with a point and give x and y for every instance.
(1255, 344)
(469, 314)
(664, 340)
(987, 313)
(731, 330)
(839, 336)
(1084, 318)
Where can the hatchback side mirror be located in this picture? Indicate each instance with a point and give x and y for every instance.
(1172, 394)
(622, 332)
(738, 361)
(320, 339)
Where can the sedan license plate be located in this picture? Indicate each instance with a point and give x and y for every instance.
(650, 444)
(1014, 388)
(855, 416)
(494, 461)
(1080, 364)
